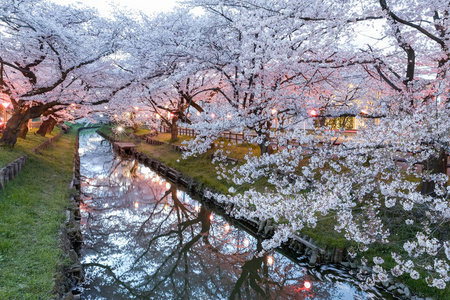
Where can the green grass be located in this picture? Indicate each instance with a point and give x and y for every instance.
(31, 212)
(32, 140)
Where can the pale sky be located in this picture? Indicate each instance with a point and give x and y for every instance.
(147, 6)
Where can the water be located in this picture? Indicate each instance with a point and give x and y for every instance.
(145, 238)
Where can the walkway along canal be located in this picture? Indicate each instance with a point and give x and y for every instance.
(146, 238)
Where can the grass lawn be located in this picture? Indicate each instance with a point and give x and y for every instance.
(32, 209)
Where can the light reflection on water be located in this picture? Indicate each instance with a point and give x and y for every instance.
(146, 239)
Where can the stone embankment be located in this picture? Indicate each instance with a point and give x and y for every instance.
(11, 170)
(70, 275)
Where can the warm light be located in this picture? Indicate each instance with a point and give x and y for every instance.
(307, 285)
(274, 111)
(270, 260)
(246, 242)
(364, 111)
(227, 227)
(213, 116)
(313, 113)
(166, 207)
(157, 116)
(119, 129)
(211, 217)
(136, 204)
(73, 105)
(167, 185)
(169, 115)
(228, 116)
(105, 107)
(136, 108)
(115, 174)
(197, 208)
(198, 114)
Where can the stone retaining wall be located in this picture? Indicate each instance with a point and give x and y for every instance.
(73, 274)
(11, 170)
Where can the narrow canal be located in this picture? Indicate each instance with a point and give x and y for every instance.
(145, 238)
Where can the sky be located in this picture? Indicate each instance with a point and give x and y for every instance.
(147, 6)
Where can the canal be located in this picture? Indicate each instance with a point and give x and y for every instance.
(145, 238)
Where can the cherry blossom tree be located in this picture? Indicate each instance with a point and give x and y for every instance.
(49, 53)
(388, 177)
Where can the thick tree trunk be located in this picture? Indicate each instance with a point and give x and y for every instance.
(14, 124)
(23, 130)
(46, 126)
(52, 126)
(12, 130)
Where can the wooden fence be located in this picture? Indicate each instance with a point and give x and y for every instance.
(240, 137)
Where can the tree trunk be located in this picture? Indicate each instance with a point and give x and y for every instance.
(174, 129)
(52, 126)
(23, 130)
(46, 126)
(434, 165)
(12, 130)
(21, 116)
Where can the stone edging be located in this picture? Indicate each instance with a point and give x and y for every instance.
(71, 236)
(11, 170)
(45, 144)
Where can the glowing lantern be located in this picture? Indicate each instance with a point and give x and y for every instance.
(307, 285)
(313, 113)
(136, 204)
(227, 227)
(211, 217)
(270, 260)
(274, 111)
(167, 185)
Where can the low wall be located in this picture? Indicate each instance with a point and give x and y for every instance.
(11, 170)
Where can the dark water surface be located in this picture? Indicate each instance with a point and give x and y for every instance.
(144, 238)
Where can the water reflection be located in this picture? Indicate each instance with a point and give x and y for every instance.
(146, 239)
